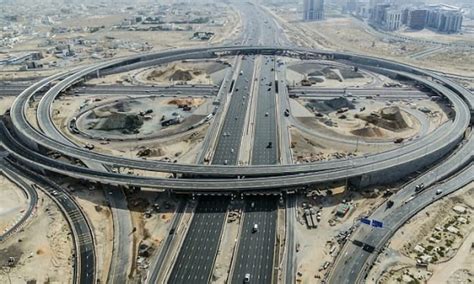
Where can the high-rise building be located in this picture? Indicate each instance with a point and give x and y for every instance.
(393, 19)
(416, 19)
(313, 10)
(444, 18)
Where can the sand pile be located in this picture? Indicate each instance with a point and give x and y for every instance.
(187, 101)
(327, 106)
(174, 73)
(368, 132)
(181, 75)
(389, 118)
(128, 123)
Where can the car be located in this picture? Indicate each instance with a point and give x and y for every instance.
(226, 162)
(266, 114)
(255, 228)
(247, 278)
(439, 191)
(419, 187)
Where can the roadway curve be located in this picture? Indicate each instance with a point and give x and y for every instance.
(438, 141)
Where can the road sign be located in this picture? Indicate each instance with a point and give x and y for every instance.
(377, 224)
(365, 221)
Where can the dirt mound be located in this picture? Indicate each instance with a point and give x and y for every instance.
(129, 123)
(187, 101)
(326, 106)
(368, 132)
(174, 73)
(181, 75)
(389, 118)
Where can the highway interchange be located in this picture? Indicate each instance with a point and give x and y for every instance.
(267, 168)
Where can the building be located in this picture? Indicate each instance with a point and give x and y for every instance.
(393, 19)
(416, 19)
(444, 18)
(313, 10)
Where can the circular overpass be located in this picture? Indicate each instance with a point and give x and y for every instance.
(413, 156)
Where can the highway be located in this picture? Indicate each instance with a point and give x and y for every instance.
(373, 93)
(172, 90)
(349, 269)
(230, 135)
(358, 263)
(436, 140)
(196, 169)
(84, 262)
(196, 258)
(11, 90)
(265, 150)
(12, 174)
(164, 249)
(256, 249)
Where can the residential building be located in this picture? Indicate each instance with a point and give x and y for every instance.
(313, 10)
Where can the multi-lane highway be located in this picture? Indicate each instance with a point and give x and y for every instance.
(84, 262)
(230, 136)
(352, 258)
(196, 258)
(14, 176)
(166, 91)
(371, 93)
(33, 135)
(255, 254)
(265, 148)
(11, 90)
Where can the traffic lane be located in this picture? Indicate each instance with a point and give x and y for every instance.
(197, 254)
(265, 148)
(376, 237)
(230, 136)
(256, 249)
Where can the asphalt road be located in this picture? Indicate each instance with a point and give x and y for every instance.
(351, 260)
(84, 263)
(11, 90)
(256, 249)
(25, 128)
(362, 93)
(230, 137)
(15, 176)
(290, 269)
(196, 258)
(265, 143)
(177, 90)
(155, 268)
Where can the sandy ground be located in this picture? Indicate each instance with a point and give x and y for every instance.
(97, 113)
(130, 42)
(314, 246)
(199, 72)
(184, 147)
(152, 213)
(43, 249)
(344, 33)
(398, 259)
(13, 202)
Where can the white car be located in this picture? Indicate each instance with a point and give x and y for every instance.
(247, 278)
